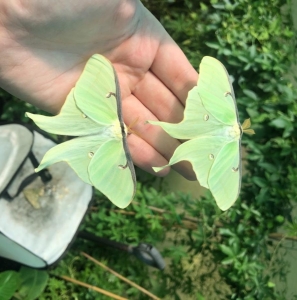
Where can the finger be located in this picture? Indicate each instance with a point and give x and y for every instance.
(157, 142)
(145, 156)
(161, 102)
(173, 68)
(153, 135)
(158, 99)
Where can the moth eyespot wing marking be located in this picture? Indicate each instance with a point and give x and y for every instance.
(206, 117)
(227, 93)
(91, 154)
(235, 170)
(211, 156)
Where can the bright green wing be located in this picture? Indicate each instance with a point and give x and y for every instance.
(96, 90)
(194, 122)
(210, 106)
(92, 111)
(225, 175)
(70, 121)
(76, 152)
(110, 173)
(201, 153)
(216, 91)
(97, 93)
(211, 123)
(216, 164)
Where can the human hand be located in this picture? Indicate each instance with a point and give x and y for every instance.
(44, 47)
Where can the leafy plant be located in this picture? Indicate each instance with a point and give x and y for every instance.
(209, 254)
(27, 284)
(9, 282)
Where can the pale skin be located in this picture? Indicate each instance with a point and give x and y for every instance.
(44, 47)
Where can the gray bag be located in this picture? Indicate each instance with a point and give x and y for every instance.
(39, 213)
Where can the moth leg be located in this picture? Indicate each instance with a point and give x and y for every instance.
(227, 94)
(123, 166)
(108, 95)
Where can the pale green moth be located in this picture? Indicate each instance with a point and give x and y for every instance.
(92, 112)
(212, 126)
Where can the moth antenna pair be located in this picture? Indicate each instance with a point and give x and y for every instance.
(246, 127)
(246, 123)
(129, 128)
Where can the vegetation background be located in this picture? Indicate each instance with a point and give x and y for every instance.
(212, 254)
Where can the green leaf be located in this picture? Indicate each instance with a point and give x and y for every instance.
(212, 45)
(228, 261)
(279, 219)
(269, 167)
(226, 231)
(250, 94)
(33, 283)
(227, 250)
(9, 283)
(259, 181)
(280, 123)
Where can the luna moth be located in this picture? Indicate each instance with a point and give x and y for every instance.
(92, 112)
(211, 126)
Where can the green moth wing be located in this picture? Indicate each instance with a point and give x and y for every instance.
(211, 124)
(95, 91)
(76, 153)
(110, 158)
(193, 124)
(223, 183)
(201, 160)
(92, 112)
(213, 80)
(70, 121)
